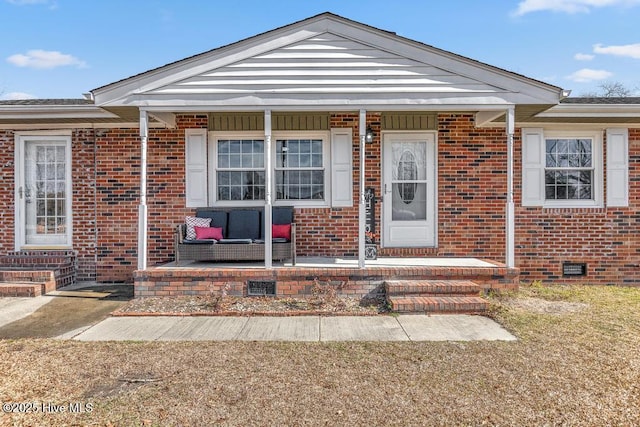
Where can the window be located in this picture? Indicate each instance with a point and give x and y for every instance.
(562, 169)
(240, 173)
(568, 169)
(299, 171)
(299, 161)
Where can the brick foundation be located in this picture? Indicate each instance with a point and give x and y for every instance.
(299, 281)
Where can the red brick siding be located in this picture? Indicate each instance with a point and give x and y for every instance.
(83, 152)
(471, 199)
(7, 185)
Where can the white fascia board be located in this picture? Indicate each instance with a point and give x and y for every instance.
(592, 110)
(22, 112)
(82, 125)
(373, 100)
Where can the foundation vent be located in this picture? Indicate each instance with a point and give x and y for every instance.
(574, 269)
(261, 288)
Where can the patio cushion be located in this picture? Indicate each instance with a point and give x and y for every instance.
(274, 240)
(243, 224)
(235, 241)
(208, 233)
(192, 222)
(199, 242)
(218, 218)
(282, 231)
(279, 215)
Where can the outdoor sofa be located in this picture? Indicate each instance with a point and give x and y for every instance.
(237, 234)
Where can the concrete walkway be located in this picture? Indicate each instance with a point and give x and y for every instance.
(299, 328)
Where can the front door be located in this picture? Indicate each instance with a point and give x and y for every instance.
(409, 186)
(43, 193)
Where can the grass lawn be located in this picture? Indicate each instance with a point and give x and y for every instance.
(577, 362)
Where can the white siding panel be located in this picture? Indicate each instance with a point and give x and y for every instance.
(327, 64)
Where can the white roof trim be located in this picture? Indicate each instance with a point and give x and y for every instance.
(592, 110)
(24, 112)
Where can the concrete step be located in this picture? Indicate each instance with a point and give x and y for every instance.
(438, 304)
(21, 289)
(431, 287)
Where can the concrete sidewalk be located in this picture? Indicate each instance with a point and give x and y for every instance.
(298, 328)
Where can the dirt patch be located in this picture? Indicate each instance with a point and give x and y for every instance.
(234, 306)
(542, 306)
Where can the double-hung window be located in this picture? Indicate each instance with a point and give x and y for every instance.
(240, 173)
(299, 169)
(569, 169)
(299, 161)
(562, 168)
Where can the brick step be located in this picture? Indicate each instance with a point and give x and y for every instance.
(438, 304)
(431, 287)
(21, 289)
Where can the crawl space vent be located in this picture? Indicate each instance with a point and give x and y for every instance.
(261, 287)
(574, 269)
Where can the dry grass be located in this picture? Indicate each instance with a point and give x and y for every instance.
(570, 367)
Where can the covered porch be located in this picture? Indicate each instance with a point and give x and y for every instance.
(365, 98)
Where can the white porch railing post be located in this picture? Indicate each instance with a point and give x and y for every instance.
(142, 209)
(510, 208)
(362, 204)
(268, 218)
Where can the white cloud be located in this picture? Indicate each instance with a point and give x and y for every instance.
(44, 59)
(568, 6)
(586, 75)
(583, 57)
(52, 3)
(12, 96)
(630, 50)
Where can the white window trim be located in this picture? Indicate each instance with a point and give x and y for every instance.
(214, 137)
(20, 140)
(598, 182)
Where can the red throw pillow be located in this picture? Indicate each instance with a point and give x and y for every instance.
(204, 233)
(281, 231)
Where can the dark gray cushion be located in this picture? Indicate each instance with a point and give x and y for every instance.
(235, 241)
(218, 218)
(243, 224)
(199, 242)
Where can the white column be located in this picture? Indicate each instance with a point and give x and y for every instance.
(142, 209)
(510, 209)
(268, 219)
(362, 204)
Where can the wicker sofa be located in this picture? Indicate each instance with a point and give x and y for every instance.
(243, 236)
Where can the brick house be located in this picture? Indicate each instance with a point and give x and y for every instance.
(465, 159)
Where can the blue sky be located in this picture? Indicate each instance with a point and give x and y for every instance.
(63, 48)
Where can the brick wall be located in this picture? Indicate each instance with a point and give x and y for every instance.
(605, 238)
(7, 185)
(471, 198)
